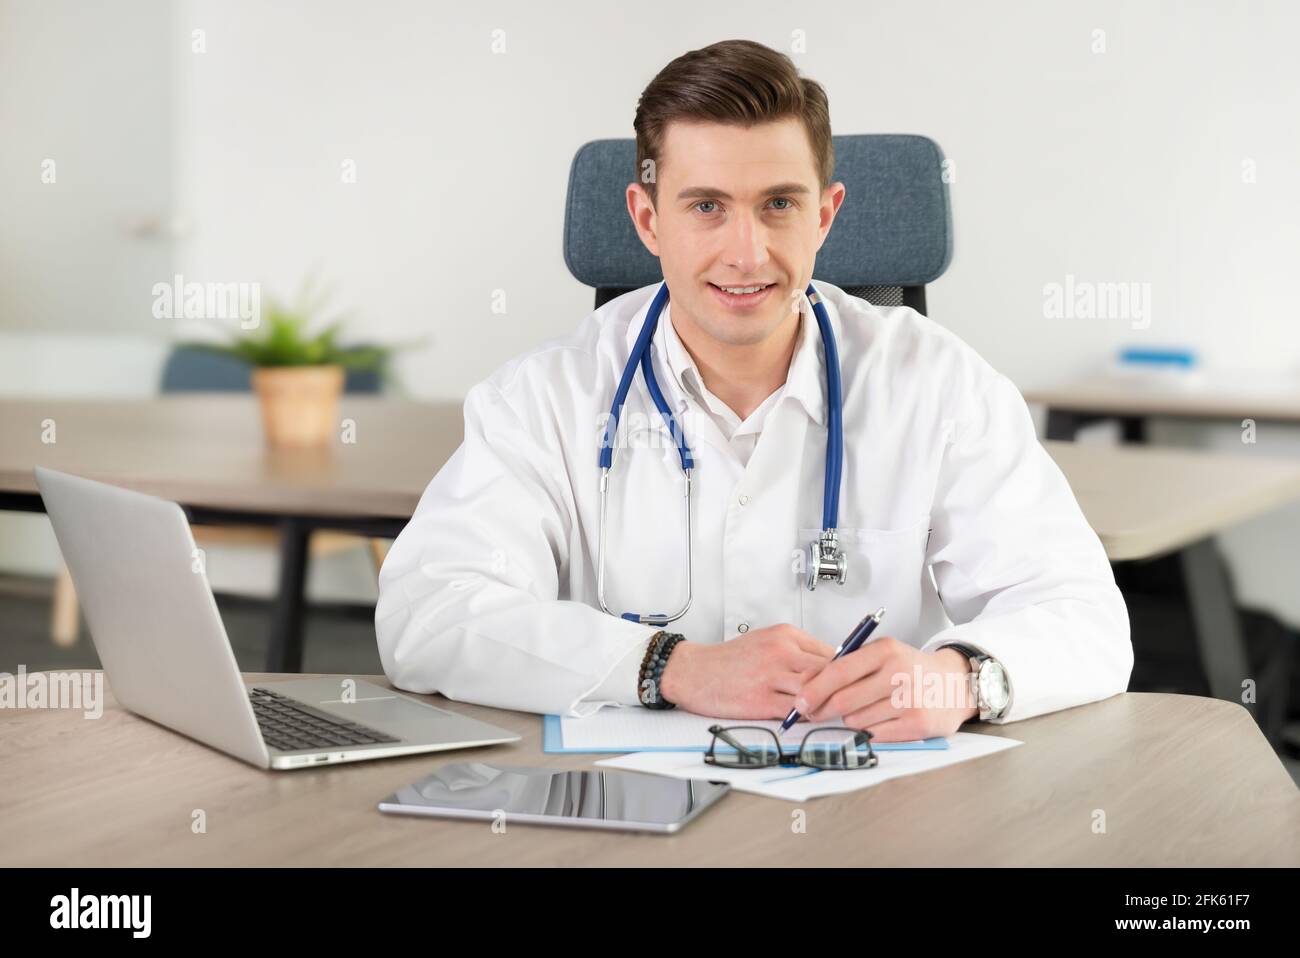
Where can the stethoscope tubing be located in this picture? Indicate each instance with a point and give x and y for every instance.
(641, 357)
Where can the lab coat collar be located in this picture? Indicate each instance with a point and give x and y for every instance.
(806, 380)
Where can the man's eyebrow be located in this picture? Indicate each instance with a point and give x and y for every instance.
(711, 193)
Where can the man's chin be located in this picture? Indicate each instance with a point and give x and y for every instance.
(740, 333)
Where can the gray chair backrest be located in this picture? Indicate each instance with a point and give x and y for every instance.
(892, 235)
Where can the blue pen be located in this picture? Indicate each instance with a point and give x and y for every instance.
(861, 632)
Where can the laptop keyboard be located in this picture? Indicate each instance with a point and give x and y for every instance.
(291, 726)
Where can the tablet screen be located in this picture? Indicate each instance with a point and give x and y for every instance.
(590, 798)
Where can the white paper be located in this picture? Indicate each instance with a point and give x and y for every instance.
(801, 784)
(636, 728)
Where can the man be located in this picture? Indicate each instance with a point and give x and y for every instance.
(1000, 602)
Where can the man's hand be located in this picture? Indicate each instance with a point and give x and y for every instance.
(895, 691)
(753, 676)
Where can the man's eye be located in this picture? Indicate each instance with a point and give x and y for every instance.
(710, 206)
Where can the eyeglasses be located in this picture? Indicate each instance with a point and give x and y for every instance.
(752, 746)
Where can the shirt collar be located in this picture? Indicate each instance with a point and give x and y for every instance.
(680, 363)
(805, 382)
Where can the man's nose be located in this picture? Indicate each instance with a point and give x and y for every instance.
(745, 245)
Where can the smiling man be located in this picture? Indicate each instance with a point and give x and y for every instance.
(951, 515)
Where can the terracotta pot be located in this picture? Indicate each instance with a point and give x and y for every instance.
(300, 404)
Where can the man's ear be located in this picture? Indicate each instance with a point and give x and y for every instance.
(642, 210)
(832, 199)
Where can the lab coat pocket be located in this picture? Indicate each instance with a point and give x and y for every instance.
(886, 567)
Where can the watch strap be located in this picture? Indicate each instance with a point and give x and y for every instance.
(977, 660)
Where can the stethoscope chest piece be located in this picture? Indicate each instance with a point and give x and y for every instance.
(826, 560)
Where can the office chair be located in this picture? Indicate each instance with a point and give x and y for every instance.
(892, 235)
(196, 370)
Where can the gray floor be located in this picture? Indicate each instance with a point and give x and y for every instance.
(334, 643)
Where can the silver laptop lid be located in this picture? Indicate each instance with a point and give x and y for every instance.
(153, 619)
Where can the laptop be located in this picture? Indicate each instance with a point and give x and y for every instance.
(154, 622)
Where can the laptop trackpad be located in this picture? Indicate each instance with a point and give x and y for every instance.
(387, 711)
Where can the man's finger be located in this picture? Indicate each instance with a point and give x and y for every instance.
(805, 662)
(813, 645)
(780, 704)
(895, 730)
(876, 687)
(874, 714)
(841, 672)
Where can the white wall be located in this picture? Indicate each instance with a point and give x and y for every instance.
(1122, 166)
(85, 156)
(1119, 166)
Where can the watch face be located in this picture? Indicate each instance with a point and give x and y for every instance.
(994, 688)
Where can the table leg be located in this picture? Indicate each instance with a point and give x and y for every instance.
(1133, 429)
(1064, 424)
(284, 653)
(1216, 621)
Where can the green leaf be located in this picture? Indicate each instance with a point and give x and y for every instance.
(283, 337)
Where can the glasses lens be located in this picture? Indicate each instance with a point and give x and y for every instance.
(744, 746)
(837, 748)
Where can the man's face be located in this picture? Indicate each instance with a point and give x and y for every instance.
(736, 208)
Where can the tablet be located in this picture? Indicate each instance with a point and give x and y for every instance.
(581, 798)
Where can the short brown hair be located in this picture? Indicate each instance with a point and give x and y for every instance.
(734, 81)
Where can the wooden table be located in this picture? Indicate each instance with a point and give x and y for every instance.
(1073, 405)
(207, 453)
(1144, 501)
(1147, 502)
(1181, 781)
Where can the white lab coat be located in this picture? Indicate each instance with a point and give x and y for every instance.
(950, 512)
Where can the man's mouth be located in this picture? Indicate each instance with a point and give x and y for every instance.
(745, 296)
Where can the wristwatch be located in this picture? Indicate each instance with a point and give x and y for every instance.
(989, 682)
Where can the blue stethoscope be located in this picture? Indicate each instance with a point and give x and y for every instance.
(827, 561)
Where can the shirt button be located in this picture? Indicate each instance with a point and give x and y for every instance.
(742, 628)
(744, 500)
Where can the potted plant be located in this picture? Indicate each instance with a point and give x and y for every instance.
(298, 376)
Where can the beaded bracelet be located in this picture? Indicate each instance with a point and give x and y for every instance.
(652, 669)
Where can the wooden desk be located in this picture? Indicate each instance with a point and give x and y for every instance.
(1182, 781)
(1074, 405)
(207, 452)
(1144, 501)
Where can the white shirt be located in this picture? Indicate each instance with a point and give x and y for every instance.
(742, 437)
(952, 515)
